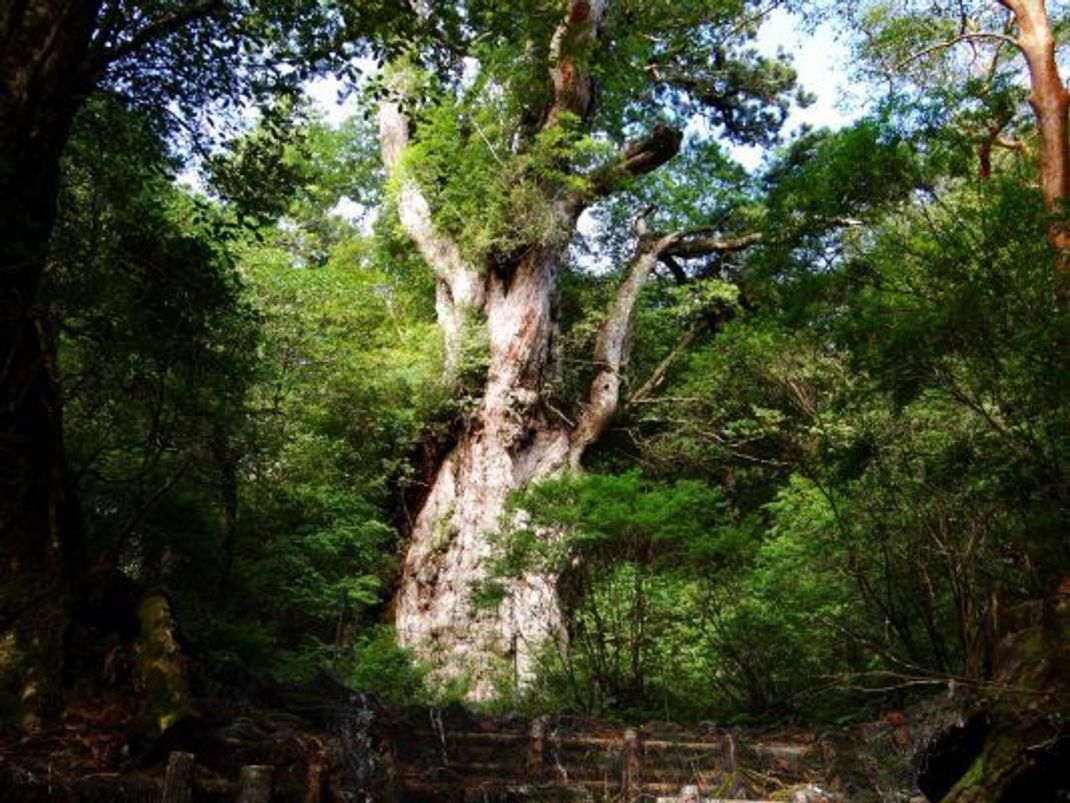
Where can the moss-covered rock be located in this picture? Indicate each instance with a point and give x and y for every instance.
(1019, 756)
(161, 665)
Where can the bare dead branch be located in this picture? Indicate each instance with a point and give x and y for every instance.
(698, 245)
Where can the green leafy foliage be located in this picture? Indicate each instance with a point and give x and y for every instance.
(240, 437)
(493, 201)
(623, 546)
(853, 449)
(156, 340)
(379, 666)
(616, 516)
(349, 376)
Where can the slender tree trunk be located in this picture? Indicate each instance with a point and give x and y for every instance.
(229, 521)
(227, 466)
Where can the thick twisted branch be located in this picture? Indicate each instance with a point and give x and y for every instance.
(573, 84)
(460, 289)
(693, 245)
(614, 338)
(613, 345)
(638, 158)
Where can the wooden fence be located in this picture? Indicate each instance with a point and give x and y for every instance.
(439, 757)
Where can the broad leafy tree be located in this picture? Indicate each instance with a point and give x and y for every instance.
(180, 62)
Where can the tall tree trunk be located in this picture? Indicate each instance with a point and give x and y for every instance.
(43, 47)
(511, 439)
(1051, 107)
(226, 460)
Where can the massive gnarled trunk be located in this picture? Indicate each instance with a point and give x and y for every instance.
(514, 436)
(510, 439)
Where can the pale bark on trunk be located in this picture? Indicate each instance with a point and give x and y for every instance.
(510, 439)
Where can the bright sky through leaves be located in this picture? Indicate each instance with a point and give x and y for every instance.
(820, 59)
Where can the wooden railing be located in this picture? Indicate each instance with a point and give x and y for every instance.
(322, 748)
(437, 755)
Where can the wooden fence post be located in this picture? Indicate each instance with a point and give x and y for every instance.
(317, 769)
(254, 786)
(176, 783)
(631, 763)
(537, 748)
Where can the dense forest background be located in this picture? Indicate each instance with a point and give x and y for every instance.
(843, 434)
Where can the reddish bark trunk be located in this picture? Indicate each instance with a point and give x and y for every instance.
(1051, 105)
